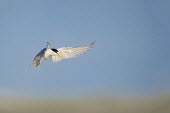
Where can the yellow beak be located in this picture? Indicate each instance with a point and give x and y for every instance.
(59, 55)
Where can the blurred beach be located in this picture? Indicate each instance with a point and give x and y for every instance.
(158, 104)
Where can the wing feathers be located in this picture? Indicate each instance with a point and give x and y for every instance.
(56, 58)
(71, 52)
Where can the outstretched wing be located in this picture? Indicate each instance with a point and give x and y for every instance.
(70, 52)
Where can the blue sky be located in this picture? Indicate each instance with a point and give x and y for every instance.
(131, 55)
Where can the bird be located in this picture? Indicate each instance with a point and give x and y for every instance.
(60, 53)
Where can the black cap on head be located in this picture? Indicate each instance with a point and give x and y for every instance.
(55, 50)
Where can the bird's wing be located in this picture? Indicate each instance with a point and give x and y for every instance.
(71, 52)
(55, 58)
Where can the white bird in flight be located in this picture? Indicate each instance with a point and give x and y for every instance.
(60, 53)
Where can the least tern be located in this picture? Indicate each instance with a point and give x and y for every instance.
(60, 53)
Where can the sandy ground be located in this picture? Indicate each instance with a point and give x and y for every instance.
(147, 105)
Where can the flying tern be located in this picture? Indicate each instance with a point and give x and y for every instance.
(60, 53)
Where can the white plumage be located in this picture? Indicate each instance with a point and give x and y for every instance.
(60, 53)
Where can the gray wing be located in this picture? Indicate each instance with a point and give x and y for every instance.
(41, 53)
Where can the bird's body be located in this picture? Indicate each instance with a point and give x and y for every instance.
(59, 54)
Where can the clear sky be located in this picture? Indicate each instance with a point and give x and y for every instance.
(131, 55)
